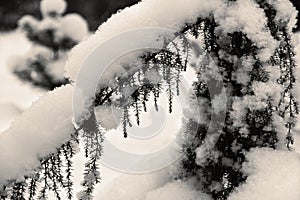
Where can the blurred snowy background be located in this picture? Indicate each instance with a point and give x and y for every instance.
(94, 11)
(16, 95)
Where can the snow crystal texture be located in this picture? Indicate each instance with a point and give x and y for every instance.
(36, 133)
(273, 175)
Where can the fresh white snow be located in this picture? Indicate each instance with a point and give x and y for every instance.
(176, 190)
(46, 125)
(53, 6)
(273, 175)
(74, 27)
(144, 14)
(15, 95)
(132, 186)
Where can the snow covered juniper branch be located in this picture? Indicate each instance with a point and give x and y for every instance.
(239, 50)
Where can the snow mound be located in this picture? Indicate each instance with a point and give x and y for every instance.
(74, 26)
(153, 13)
(12, 90)
(273, 175)
(8, 112)
(286, 12)
(36, 133)
(176, 190)
(235, 19)
(55, 68)
(53, 6)
(133, 186)
(144, 14)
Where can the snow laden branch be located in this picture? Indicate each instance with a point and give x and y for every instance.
(35, 144)
(251, 56)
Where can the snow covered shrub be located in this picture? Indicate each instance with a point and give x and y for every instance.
(52, 38)
(255, 56)
(242, 102)
(251, 42)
